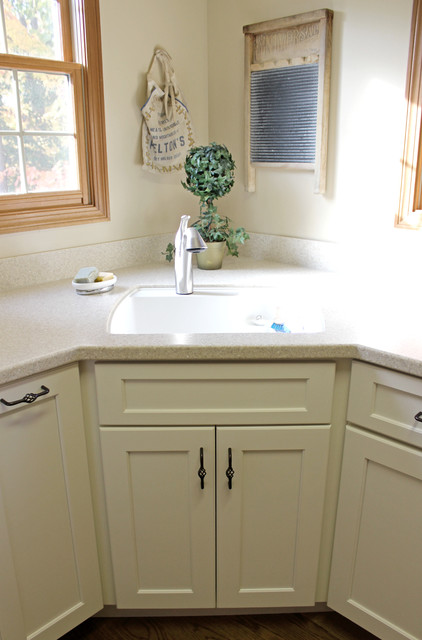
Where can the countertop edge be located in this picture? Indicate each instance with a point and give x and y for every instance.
(49, 326)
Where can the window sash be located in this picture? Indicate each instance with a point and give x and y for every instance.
(74, 71)
(20, 212)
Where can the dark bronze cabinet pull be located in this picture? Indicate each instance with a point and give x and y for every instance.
(28, 398)
(418, 416)
(201, 471)
(230, 470)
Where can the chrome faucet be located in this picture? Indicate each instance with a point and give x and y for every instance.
(186, 242)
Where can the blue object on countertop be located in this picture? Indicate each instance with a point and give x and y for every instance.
(281, 328)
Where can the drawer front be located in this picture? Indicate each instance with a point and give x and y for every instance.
(386, 402)
(215, 393)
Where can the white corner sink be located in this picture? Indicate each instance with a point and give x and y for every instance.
(158, 310)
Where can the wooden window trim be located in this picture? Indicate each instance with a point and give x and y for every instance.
(409, 214)
(66, 30)
(90, 204)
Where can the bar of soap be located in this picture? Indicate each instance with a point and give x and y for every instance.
(104, 275)
(86, 274)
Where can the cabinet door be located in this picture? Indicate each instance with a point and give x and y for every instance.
(269, 522)
(49, 577)
(161, 520)
(376, 577)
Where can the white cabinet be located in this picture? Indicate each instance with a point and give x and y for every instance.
(49, 578)
(176, 544)
(131, 393)
(376, 577)
(161, 522)
(269, 522)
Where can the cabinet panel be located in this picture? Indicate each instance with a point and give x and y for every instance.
(46, 512)
(11, 619)
(161, 520)
(269, 522)
(162, 524)
(212, 393)
(386, 402)
(376, 577)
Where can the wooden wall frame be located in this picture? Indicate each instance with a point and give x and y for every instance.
(295, 40)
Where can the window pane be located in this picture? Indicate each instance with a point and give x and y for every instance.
(50, 163)
(46, 102)
(10, 179)
(8, 119)
(33, 28)
(3, 48)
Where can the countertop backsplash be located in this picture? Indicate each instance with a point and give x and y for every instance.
(49, 266)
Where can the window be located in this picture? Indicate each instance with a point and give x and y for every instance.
(410, 206)
(52, 133)
(287, 76)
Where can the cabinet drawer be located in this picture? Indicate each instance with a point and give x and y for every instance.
(386, 402)
(215, 393)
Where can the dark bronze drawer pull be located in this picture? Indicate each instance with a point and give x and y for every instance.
(230, 470)
(28, 398)
(418, 416)
(201, 471)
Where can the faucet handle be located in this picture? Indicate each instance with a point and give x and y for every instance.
(194, 241)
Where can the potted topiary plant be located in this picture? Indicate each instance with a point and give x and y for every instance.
(210, 175)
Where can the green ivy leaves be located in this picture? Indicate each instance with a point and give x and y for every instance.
(209, 172)
(210, 175)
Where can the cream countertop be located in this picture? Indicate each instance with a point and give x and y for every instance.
(48, 325)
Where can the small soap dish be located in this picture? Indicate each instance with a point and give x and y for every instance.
(89, 288)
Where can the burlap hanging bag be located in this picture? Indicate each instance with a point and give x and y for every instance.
(167, 132)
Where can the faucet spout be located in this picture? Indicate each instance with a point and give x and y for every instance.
(186, 242)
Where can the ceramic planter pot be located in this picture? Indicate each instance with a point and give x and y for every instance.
(212, 258)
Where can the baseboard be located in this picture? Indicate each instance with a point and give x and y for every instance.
(111, 611)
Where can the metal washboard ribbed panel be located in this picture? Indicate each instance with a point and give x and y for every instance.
(284, 114)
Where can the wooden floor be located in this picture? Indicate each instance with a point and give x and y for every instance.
(298, 626)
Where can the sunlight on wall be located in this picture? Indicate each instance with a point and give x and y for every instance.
(369, 183)
(366, 128)
(369, 153)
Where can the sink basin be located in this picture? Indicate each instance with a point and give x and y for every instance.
(149, 310)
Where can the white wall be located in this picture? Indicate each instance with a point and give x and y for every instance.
(141, 204)
(370, 48)
(205, 38)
